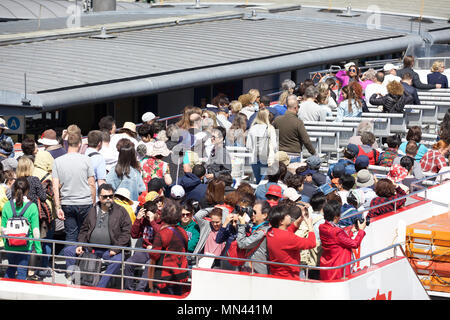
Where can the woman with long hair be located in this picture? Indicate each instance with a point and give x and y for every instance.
(171, 237)
(238, 131)
(126, 173)
(350, 74)
(20, 203)
(215, 193)
(352, 104)
(25, 168)
(262, 142)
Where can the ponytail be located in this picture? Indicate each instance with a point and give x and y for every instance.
(18, 197)
(20, 189)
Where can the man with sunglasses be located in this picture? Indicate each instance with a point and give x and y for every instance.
(107, 223)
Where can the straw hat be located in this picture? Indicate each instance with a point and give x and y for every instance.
(124, 193)
(159, 148)
(130, 126)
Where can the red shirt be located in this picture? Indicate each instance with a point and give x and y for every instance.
(432, 161)
(337, 248)
(284, 246)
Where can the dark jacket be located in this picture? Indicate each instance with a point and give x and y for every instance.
(437, 78)
(193, 187)
(392, 103)
(119, 225)
(412, 91)
(415, 79)
(292, 134)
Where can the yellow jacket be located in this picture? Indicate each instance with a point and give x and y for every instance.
(128, 207)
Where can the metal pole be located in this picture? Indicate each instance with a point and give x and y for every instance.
(53, 262)
(123, 269)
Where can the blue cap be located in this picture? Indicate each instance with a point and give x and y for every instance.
(338, 170)
(326, 189)
(362, 162)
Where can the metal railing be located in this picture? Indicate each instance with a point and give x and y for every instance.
(123, 262)
(415, 184)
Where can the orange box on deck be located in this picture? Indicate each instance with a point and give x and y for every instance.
(434, 228)
(436, 283)
(429, 239)
(427, 267)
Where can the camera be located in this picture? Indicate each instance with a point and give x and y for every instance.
(361, 220)
(242, 210)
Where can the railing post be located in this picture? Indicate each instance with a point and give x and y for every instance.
(53, 262)
(123, 269)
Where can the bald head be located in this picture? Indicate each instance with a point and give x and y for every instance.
(292, 102)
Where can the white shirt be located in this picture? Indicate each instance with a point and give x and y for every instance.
(311, 111)
(374, 88)
(390, 77)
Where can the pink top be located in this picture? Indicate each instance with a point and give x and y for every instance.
(211, 246)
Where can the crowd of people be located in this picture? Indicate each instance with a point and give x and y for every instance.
(173, 188)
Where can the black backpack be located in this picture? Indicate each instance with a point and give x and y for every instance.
(93, 265)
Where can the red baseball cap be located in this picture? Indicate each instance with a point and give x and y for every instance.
(275, 190)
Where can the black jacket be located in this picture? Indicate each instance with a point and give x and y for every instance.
(415, 79)
(392, 103)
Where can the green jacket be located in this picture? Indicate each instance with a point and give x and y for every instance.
(193, 232)
(32, 214)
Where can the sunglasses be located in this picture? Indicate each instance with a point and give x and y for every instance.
(352, 70)
(186, 215)
(107, 196)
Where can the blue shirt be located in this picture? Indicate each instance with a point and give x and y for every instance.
(420, 153)
(343, 111)
(133, 183)
(280, 109)
(98, 163)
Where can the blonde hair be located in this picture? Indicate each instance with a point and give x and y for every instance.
(283, 97)
(370, 74)
(211, 115)
(235, 106)
(25, 167)
(254, 93)
(262, 117)
(436, 66)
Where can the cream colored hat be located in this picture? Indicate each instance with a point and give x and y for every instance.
(130, 126)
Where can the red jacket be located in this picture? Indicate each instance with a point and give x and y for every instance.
(337, 247)
(284, 246)
(143, 228)
(172, 238)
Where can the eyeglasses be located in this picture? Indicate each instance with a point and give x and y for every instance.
(107, 196)
(352, 70)
(186, 215)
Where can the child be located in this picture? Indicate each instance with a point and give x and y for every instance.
(387, 157)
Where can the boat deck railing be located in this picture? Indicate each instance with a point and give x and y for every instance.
(75, 272)
(435, 179)
(127, 252)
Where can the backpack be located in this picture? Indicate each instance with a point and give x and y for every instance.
(93, 265)
(45, 207)
(235, 252)
(17, 226)
(373, 156)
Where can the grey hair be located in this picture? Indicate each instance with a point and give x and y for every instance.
(311, 92)
(291, 97)
(364, 126)
(287, 84)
